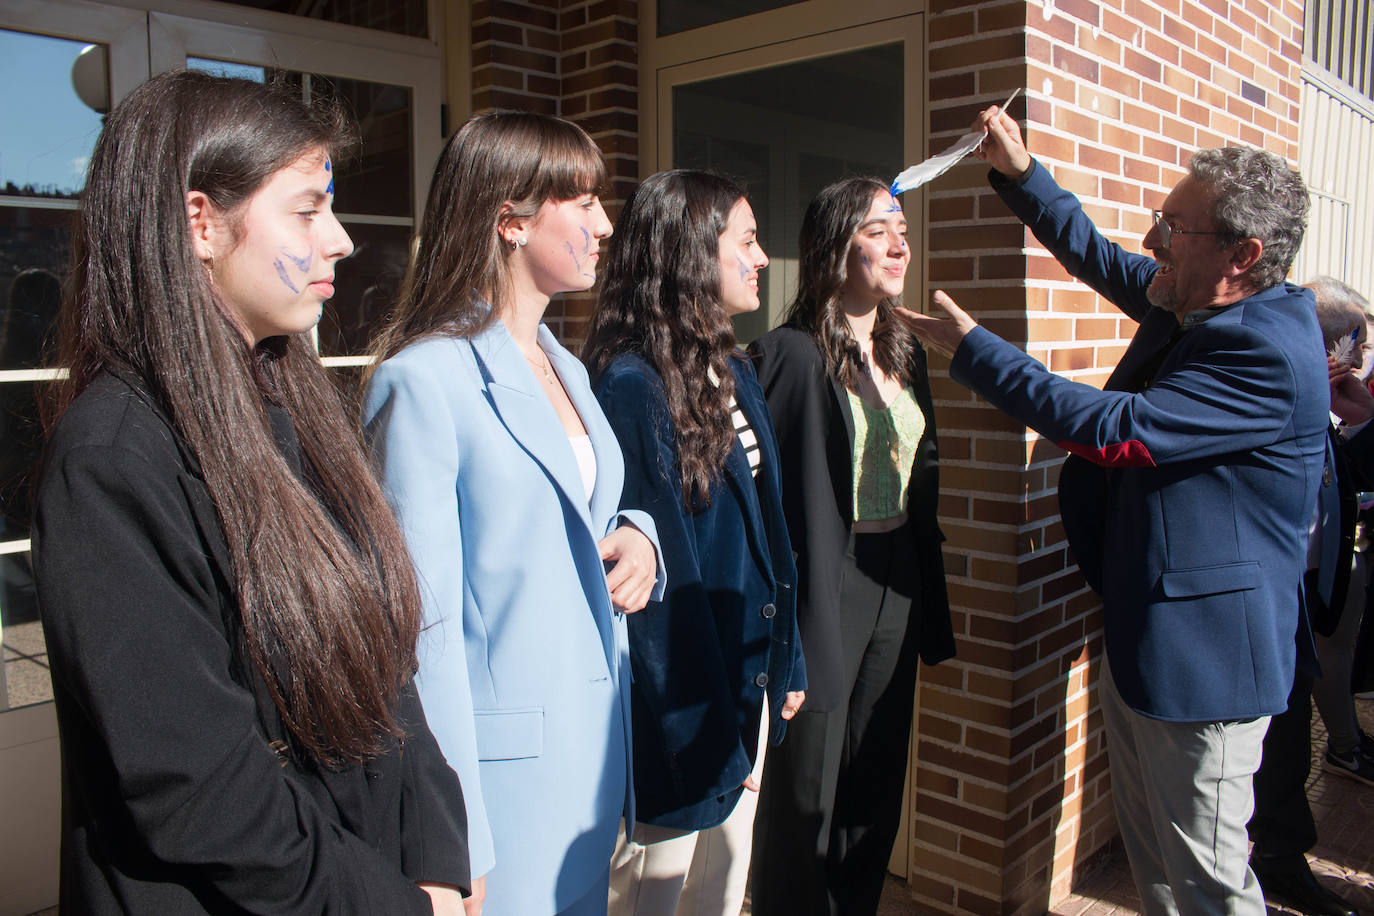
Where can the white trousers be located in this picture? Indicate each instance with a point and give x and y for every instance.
(668, 872)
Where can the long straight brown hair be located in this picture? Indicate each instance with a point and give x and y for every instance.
(325, 590)
(458, 280)
(827, 233)
(660, 299)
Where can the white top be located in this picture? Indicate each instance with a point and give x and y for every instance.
(586, 462)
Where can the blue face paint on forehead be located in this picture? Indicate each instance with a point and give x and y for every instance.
(895, 207)
(329, 167)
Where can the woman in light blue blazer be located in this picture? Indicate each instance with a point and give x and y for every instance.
(507, 481)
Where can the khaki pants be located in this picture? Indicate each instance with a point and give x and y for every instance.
(667, 872)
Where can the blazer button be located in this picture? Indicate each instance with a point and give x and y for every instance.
(761, 679)
(769, 610)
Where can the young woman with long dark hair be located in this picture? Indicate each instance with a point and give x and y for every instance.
(230, 612)
(846, 384)
(507, 480)
(720, 651)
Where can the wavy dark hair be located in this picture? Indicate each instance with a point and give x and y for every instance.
(827, 232)
(326, 594)
(459, 280)
(660, 299)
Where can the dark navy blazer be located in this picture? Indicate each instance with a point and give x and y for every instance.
(702, 656)
(1190, 508)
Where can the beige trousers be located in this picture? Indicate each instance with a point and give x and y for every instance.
(667, 872)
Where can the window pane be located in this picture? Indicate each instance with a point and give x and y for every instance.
(367, 283)
(787, 131)
(34, 247)
(49, 132)
(404, 17)
(21, 443)
(377, 181)
(681, 15)
(26, 657)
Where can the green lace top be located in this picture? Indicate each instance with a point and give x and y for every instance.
(885, 440)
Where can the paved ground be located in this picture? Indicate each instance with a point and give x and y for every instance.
(1344, 808)
(1343, 858)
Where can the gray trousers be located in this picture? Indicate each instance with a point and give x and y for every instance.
(1182, 793)
(1336, 653)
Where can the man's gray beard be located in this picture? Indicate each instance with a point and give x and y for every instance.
(1161, 298)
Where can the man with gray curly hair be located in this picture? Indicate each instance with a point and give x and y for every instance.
(1187, 495)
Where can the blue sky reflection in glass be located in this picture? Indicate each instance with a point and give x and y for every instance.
(48, 132)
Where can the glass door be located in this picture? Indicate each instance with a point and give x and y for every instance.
(70, 59)
(787, 119)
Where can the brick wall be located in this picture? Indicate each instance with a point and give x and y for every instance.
(1013, 797)
(577, 59)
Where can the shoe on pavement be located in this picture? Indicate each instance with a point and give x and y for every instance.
(1289, 880)
(1356, 764)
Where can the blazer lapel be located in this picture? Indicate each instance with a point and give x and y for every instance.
(527, 413)
(1153, 334)
(610, 468)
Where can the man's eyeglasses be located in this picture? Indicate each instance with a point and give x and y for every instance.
(1167, 232)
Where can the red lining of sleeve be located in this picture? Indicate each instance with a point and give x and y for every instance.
(1129, 454)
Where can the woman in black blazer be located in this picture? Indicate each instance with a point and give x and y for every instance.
(230, 613)
(847, 387)
(700, 457)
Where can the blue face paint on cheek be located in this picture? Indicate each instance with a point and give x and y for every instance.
(577, 262)
(281, 273)
(329, 167)
(586, 242)
(301, 263)
(864, 259)
(743, 268)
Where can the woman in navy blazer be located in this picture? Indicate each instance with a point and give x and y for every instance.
(507, 479)
(701, 458)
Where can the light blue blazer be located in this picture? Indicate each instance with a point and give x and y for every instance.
(524, 665)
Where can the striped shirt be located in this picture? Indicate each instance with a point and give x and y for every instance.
(743, 430)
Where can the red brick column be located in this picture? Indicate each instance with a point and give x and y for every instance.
(599, 70)
(1013, 795)
(577, 59)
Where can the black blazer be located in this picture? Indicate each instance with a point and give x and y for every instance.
(725, 631)
(815, 430)
(174, 799)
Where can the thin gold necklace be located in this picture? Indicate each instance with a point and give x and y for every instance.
(546, 368)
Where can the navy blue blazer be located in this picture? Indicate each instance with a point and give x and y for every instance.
(726, 629)
(1190, 510)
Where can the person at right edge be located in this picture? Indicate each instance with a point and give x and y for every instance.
(1187, 496)
(1283, 829)
(847, 388)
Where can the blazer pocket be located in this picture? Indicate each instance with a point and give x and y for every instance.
(1209, 580)
(509, 734)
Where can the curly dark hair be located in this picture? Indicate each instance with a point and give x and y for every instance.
(660, 299)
